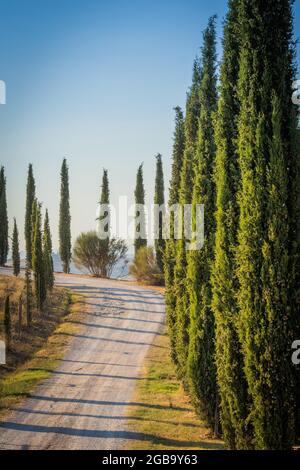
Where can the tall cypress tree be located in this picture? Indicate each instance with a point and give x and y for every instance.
(65, 219)
(229, 361)
(185, 197)
(37, 257)
(47, 253)
(104, 200)
(3, 219)
(140, 216)
(16, 250)
(170, 250)
(30, 196)
(159, 199)
(267, 174)
(201, 365)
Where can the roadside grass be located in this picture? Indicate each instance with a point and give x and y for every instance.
(161, 411)
(36, 352)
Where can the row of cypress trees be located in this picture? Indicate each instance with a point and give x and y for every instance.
(233, 306)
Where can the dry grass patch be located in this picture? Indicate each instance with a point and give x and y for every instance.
(36, 352)
(162, 413)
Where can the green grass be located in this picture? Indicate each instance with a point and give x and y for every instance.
(162, 413)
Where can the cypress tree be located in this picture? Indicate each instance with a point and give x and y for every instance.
(185, 197)
(65, 219)
(37, 258)
(3, 219)
(47, 253)
(28, 294)
(159, 199)
(267, 173)
(15, 250)
(30, 196)
(201, 365)
(229, 361)
(7, 322)
(104, 200)
(140, 216)
(170, 250)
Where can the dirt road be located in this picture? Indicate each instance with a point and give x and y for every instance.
(83, 404)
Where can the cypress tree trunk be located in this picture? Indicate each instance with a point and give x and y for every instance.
(229, 361)
(65, 219)
(28, 293)
(3, 220)
(185, 197)
(159, 199)
(7, 322)
(201, 363)
(20, 315)
(170, 250)
(30, 197)
(264, 273)
(47, 254)
(15, 250)
(139, 194)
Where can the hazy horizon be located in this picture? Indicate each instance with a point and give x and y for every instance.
(94, 82)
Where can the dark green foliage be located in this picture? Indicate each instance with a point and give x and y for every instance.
(28, 294)
(201, 364)
(65, 219)
(3, 220)
(139, 194)
(266, 217)
(185, 197)
(170, 251)
(37, 257)
(7, 322)
(47, 254)
(159, 199)
(231, 380)
(15, 250)
(30, 196)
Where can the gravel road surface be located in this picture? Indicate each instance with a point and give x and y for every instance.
(83, 404)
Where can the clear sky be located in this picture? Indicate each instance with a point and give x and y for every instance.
(96, 82)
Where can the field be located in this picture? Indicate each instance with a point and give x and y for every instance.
(35, 351)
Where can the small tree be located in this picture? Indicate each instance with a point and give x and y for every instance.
(96, 255)
(15, 250)
(7, 321)
(145, 268)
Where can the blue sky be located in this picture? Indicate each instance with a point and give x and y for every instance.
(95, 82)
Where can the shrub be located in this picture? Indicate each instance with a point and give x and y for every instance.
(144, 267)
(96, 255)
